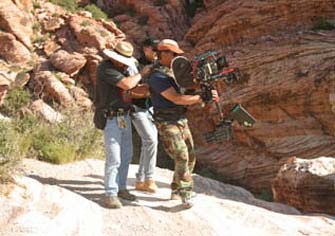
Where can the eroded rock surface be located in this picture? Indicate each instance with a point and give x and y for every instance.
(308, 185)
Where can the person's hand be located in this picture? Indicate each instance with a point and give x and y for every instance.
(215, 96)
(146, 70)
(140, 91)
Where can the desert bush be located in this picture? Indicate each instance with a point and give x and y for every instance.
(321, 23)
(85, 23)
(15, 100)
(70, 5)
(130, 11)
(32, 137)
(265, 195)
(192, 7)
(143, 20)
(39, 39)
(97, 13)
(71, 140)
(9, 151)
(159, 3)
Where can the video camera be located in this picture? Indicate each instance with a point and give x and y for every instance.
(205, 70)
(211, 66)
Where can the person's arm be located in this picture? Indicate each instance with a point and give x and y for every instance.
(129, 82)
(179, 99)
(140, 91)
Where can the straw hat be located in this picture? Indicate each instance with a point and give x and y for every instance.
(170, 45)
(122, 52)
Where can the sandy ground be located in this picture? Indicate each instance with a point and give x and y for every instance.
(219, 209)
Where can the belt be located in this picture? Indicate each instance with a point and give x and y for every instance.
(118, 112)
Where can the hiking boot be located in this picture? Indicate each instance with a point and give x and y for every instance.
(186, 203)
(139, 186)
(112, 202)
(176, 196)
(125, 194)
(150, 186)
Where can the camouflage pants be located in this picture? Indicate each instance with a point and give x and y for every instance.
(178, 144)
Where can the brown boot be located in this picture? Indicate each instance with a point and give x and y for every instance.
(175, 195)
(125, 194)
(139, 186)
(112, 202)
(150, 186)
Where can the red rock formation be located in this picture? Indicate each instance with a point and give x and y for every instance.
(16, 21)
(68, 63)
(46, 111)
(81, 97)
(91, 33)
(53, 88)
(12, 50)
(165, 21)
(290, 91)
(227, 22)
(307, 185)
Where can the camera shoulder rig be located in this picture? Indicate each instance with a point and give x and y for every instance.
(204, 70)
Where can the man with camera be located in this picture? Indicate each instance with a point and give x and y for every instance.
(112, 115)
(169, 115)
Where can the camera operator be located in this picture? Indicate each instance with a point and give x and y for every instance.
(169, 114)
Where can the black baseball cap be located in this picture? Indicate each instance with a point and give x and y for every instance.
(150, 41)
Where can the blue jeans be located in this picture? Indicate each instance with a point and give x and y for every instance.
(143, 123)
(119, 151)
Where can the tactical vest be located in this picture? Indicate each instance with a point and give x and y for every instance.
(172, 114)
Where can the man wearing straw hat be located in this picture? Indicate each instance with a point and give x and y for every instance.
(113, 104)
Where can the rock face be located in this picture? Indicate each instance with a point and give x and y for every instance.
(66, 62)
(307, 184)
(227, 22)
(289, 89)
(12, 50)
(47, 210)
(92, 34)
(67, 200)
(140, 18)
(46, 111)
(16, 21)
(52, 88)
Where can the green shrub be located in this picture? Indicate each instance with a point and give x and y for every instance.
(78, 138)
(15, 100)
(191, 8)
(70, 5)
(85, 23)
(143, 20)
(36, 5)
(265, 195)
(97, 13)
(321, 23)
(41, 38)
(103, 33)
(159, 3)
(9, 151)
(36, 27)
(130, 11)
